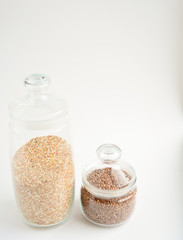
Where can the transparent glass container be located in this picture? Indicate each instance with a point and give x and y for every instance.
(41, 155)
(108, 190)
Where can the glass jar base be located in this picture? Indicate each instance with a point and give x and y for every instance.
(47, 226)
(103, 225)
(33, 225)
(43, 226)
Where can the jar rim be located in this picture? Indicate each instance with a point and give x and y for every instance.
(105, 193)
(21, 114)
(39, 124)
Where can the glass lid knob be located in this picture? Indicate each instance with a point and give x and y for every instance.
(37, 80)
(109, 153)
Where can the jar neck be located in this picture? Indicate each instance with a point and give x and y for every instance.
(37, 91)
(37, 85)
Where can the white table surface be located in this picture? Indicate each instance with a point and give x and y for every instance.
(117, 63)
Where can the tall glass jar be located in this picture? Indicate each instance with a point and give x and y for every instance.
(41, 155)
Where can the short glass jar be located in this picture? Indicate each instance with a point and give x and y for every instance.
(41, 155)
(108, 189)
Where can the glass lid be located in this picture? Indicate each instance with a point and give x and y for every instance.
(38, 106)
(109, 177)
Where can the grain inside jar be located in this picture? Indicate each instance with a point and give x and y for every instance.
(107, 211)
(43, 176)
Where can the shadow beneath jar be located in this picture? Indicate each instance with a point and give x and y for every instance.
(10, 218)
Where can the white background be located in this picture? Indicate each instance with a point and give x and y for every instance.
(118, 65)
